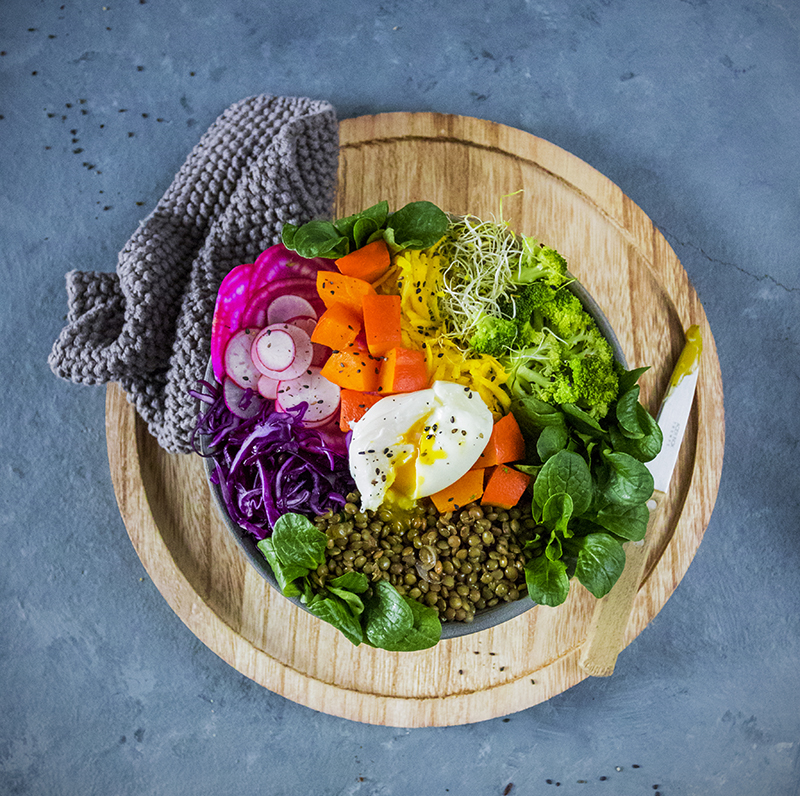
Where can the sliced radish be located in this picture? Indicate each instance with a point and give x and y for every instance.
(244, 403)
(304, 322)
(321, 352)
(261, 298)
(267, 387)
(284, 308)
(303, 353)
(273, 348)
(237, 362)
(313, 388)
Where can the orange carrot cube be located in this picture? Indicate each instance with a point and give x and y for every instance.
(505, 487)
(337, 327)
(353, 406)
(333, 287)
(506, 444)
(369, 263)
(353, 368)
(382, 323)
(403, 370)
(466, 490)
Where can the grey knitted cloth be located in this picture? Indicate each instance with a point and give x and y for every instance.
(265, 161)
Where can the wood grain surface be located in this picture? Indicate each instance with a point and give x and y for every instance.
(463, 165)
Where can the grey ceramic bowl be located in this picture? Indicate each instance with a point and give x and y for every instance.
(490, 617)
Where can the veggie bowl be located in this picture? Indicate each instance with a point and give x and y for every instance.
(418, 426)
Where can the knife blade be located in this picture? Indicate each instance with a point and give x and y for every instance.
(606, 634)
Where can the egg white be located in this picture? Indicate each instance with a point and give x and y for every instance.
(412, 445)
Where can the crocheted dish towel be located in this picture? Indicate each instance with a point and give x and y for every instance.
(264, 162)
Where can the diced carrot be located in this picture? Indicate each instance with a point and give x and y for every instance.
(505, 487)
(369, 263)
(403, 370)
(467, 489)
(382, 323)
(353, 405)
(337, 327)
(349, 290)
(506, 444)
(353, 368)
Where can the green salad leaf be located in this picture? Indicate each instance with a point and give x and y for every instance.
(376, 614)
(417, 225)
(590, 488)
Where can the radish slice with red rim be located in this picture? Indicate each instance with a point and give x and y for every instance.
(244, 403)
(288, 306)
(237, 362)
(268, 387)
(255, 314)
(321, 395)
(263, 355)
(273, 348)
(321, 352)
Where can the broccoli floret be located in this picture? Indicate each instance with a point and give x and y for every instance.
(538, 368)
(573, 365)
(595, 383)
(565, 314)
(541, 262)
(521, 303)
(494, 336)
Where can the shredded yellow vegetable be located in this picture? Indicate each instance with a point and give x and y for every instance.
(416, 276)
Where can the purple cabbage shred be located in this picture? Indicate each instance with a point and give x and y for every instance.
(270, 464)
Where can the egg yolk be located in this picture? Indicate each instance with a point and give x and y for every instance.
(421, 437)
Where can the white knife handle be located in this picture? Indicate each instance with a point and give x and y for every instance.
(611, 614)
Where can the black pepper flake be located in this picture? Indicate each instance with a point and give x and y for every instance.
(77, 151)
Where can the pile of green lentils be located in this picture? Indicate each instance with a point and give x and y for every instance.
(457, 563)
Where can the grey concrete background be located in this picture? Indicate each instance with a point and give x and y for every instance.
(692, 107)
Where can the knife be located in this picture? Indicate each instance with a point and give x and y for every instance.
(611, 614)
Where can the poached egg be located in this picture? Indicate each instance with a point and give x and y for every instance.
(412, 445)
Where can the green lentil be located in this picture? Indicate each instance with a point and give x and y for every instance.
(455, 562)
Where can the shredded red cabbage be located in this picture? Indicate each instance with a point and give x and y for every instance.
(269, 464)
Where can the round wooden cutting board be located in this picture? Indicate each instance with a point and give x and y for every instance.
(463, 165)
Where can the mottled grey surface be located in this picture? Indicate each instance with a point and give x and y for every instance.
(692, 108)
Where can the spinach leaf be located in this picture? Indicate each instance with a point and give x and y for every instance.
(628, 481)
(628, 378)
(547, 581)
(627, 414)
(556, 513)
(629, 522)
(356, 582)
(352, 600)
(336, 612)
(565, 472)
(552, 439)
(285, 574)
(376, 215)
(418, 225)
(534, 415)
(600, 561)
(581, 421)
(297, 542)
(387, 616)
(554, 549)
(317, 238)
(425, 631)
